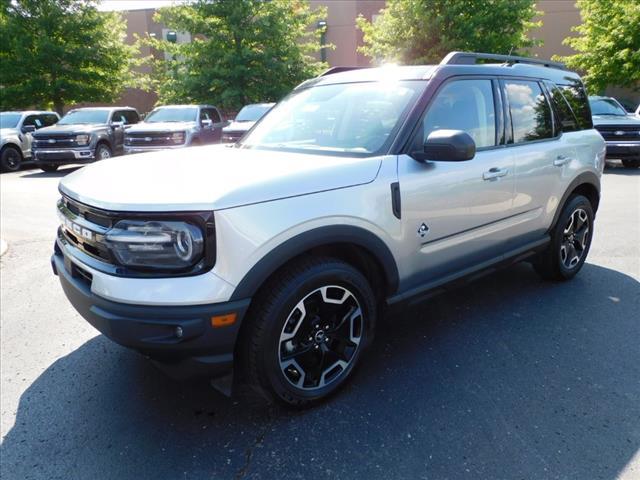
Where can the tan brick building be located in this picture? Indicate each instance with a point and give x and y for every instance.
(558, 17)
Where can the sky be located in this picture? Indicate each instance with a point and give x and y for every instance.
(110, 5)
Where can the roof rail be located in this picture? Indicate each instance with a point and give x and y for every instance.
(333, 70)
(469, 58)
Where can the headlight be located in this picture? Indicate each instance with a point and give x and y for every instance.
(82, 139)
(155, 244)
(178, 137)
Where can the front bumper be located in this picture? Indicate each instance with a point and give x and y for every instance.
(128, 149)
(63, 156)
(623, 149)
(181, 339)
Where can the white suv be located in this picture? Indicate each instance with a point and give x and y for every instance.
(361, 190)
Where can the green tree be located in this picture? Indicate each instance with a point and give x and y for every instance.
(424, 31)
(608, 44)
(60, 52)
(241, 51)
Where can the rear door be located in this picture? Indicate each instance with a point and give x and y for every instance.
(456, 215)
(540, 154)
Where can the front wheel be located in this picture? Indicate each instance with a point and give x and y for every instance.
(631, 162)
(307, 331)
(570, 241)
(10, 159)
(103, 152)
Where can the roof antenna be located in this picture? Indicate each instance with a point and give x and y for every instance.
(511, 51)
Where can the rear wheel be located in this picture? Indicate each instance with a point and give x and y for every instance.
(570, 241)
(49, 168)
(307, 331)
(10, 159)
(631, 162)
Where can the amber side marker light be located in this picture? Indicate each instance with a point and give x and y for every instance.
(223, 320)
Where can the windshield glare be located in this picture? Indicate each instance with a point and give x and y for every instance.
(252, 113)
(606, 106)
(85, 116)
(173, 114)
(353, 118)
(9, 120)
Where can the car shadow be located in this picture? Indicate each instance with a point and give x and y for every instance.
(57, 174)
(508, 377)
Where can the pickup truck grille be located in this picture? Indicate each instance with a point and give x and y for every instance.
(54, 141)
(150, 139)
(624, 133)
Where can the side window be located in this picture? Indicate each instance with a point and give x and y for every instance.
(210, 114)
(579, 102)
(464, 105)
(33, 120)
(131, 117)
(204, 114)
(530, 111)
(566, 118)
(215, 116)
(48, 119)
(119, 116)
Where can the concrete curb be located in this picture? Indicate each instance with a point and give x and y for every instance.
(3, 247)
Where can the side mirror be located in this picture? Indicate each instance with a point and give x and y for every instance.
(447, 146)
(28, 128)
(206, 123)
(117, 124)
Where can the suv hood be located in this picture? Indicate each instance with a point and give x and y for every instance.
(211, 178)
(616, 120)
(73, 128)
(161, 127)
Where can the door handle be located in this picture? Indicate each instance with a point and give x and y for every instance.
(561, 160)
(495, 173)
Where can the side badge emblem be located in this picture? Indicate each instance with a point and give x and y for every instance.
(423, 230)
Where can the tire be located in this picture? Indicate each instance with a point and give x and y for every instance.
(10, 159)
(103, 152)
(280, 324)
(570, 241)
(49, 168)
(631, 162)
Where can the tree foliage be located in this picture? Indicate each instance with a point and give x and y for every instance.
(241, 51)
(608, 43)
(60, 52)
(424, 31)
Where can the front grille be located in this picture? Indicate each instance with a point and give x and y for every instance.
(84, 229)
(151, 139)
(54, 141)
(623, 133)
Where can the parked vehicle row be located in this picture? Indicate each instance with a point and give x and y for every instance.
(620, 130)
(362, 190)
(85, 135)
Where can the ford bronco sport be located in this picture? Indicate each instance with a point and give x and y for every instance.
(362, 189)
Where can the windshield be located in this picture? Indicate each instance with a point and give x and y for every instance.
(252, 113)
(9, 120)
(173, 114)
(353, 118)
(85, 116)
(606, 106)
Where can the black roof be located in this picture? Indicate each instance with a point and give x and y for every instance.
(456, 63)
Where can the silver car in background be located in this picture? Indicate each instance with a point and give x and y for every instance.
(15, 135)
(246, 118)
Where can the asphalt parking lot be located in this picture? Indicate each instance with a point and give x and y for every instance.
(507, 378)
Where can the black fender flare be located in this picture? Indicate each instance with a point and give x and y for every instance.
(317, 237)
(588, 178)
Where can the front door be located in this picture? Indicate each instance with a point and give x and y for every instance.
(457, 214)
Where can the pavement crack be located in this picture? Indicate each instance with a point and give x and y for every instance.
(242, 471)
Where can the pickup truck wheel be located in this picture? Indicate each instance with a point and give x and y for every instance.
(102, 152)
(49, 168)
(631, 162)
(570, 241)
(308, 329)
(10, 159)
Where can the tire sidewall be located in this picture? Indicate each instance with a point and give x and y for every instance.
(101, 147)
(574, 203)
(321, 275)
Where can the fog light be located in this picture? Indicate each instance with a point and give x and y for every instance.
(179, 332)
